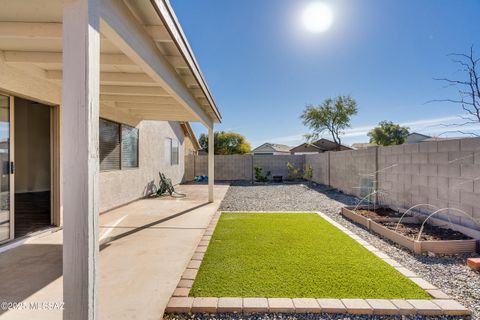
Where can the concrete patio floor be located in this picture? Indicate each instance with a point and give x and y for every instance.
(146, 247)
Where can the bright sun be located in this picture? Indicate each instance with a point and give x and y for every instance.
(317, 17)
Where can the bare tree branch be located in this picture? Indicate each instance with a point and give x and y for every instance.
(469, 88)
(449, 100)
(461, 132)
(458, 124)
(452, 81)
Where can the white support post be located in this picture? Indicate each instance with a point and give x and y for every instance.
(211, 163)
(79, 131)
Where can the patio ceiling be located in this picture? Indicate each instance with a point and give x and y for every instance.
(31, 43)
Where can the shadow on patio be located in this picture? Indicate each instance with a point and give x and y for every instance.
(146, 246)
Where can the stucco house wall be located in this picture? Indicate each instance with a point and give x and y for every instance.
(118, 187)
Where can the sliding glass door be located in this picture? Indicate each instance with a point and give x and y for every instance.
(6, 228)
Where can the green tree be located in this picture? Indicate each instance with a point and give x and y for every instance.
(226, 143)
(388, 133)
(333, 115)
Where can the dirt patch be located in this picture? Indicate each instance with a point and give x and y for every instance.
(429, 232)
(411, 230)
(379, 213)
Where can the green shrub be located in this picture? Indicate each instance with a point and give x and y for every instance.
(258, 175)
(293, 173)
(308, 173)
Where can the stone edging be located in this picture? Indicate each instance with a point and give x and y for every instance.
(180, 302)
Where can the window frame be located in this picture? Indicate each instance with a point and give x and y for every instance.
(177, 160)
(119, 167)
(169, 158)
(120, 135)
(121, 148)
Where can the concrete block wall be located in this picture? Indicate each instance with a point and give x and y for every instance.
(320, 165)
(277, 164)
(226, 167)
(234, 167)
(440, 173)
(241, 167)
(189, 167)
(201, 165)
(351, 171)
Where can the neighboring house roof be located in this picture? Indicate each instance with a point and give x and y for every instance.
(415, 137)
(187, 131)
(319, 146)
(420, 135)
(272, 147)
(306, 147)
(327, 145)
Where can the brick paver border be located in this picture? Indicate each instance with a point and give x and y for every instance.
(180, 302)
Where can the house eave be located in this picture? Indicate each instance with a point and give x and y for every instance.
(170, 21)
(189, 131)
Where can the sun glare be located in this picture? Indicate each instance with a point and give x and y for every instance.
(317, 17)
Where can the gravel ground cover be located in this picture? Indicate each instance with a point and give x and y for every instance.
(294, 255)
(448, 273)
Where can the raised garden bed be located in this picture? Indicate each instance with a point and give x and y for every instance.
(378, 213)
(434, 239)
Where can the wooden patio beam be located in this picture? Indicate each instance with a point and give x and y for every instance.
(56, 58)
(138, 99)
(134, 91)
(121, 27)
(112, 77)
(24, 84)
(53, 30)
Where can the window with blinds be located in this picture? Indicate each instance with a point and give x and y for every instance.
(118, 146)
(129, 147)
(109, 145)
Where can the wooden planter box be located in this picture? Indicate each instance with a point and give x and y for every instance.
(357, 218)
(419, 247)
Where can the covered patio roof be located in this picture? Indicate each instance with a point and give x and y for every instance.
(147, 69)
(125, 60)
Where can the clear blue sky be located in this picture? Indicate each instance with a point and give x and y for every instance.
(263, 67)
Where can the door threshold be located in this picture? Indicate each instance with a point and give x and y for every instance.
(27, 238)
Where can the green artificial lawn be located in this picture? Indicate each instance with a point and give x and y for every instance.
(295, 255)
